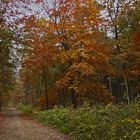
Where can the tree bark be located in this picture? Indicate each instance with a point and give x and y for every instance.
(73, 98)
(46, 89)
(0, 101)
(63, 99)
(127, 89)
(0, 105)
(110, 85)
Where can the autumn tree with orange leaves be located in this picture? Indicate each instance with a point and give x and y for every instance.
(76, 51)
(69, 41)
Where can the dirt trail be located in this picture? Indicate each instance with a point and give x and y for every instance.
(15, 126)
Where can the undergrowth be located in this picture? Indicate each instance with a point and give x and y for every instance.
(93, 123)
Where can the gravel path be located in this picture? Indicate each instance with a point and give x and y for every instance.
(15, 126)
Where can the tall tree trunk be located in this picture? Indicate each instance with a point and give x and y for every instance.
(131, 87)
(46, 89)
(63, 98)
(0, 101)
(127, 89)
(73, 98)
(0, 105)
(110, 85)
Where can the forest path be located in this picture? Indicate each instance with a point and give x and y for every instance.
(16, 126)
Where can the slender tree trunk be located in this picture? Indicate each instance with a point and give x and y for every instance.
(109, 79)
(127, 90)
(0, 105)
(110, 85)
(117, 87)
(131, 90)
(0, 101)
(63, 99)
(73, 98)
(33, 98)
(46, 89)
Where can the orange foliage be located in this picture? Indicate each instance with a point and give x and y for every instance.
(68, 39)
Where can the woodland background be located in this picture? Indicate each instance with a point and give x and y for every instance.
(67, 52)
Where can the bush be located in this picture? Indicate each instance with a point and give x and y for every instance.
(28, 110)
(96, 123)
(108, 123)
(59, 118)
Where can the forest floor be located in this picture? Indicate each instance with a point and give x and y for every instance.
(17, 126)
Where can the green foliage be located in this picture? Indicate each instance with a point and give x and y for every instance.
(28, 110)
(58, 117)
(86, 123)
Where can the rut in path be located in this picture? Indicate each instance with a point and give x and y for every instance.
(14, 126)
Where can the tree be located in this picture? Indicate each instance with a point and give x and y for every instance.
(69, 40)
(119, 13)
(6, 64)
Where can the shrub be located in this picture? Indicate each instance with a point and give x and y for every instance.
(95, 123)
(28, 110)
(58, 117)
